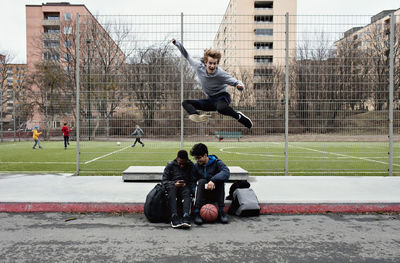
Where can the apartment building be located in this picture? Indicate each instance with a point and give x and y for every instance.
(51, 37)
(364, 51)
(252, 38)
(377, 32)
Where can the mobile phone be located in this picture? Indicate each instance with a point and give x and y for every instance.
(205, 186)
(181, 181)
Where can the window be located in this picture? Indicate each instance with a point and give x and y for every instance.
(67, 57)
(263, 72)
(67, 16)
(263, 4)
(67, 30)
(51, 56)
(68, 69)
(263, 45)
(68, 43)
(52, 30)
(51, 16)
(263, 19)
(264, 32)
(263, 59)
(51, 43)
(56, 124)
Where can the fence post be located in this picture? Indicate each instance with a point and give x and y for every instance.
(391, 82)
(182, 83)
(13, 116)
(287, 95)
(77, 76)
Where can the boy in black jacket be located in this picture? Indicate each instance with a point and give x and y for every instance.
(211, 174)
(178, 180)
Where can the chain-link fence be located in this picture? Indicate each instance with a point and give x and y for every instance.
(322, 92)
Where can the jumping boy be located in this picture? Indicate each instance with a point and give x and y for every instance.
(214, 82)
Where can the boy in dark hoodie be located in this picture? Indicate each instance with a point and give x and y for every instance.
(178, 180)
(211, 174)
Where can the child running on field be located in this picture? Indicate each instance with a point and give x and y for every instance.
(36, 137)
(65, 130)
(214, 82)
(139, 133)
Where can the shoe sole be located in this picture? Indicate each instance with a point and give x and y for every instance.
(246, 118)
(201, 118)
(176, 226)
(186, 225)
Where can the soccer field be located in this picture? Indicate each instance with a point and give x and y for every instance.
(259, 158)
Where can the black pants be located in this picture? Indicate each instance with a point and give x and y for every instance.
(204, 196)
(138, 140)
(66, 141)
(219, 103)
(183, 193)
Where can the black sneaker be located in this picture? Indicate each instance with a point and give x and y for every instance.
(175, 221)
(243, 119)
(133, 145)
(197, 219)
(186, 222)
(223, 218)
(142, 145)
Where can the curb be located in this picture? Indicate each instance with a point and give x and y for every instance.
(266, 208)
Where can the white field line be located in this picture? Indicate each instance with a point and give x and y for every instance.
(105, 155)
(256, 154)
(42, 162)
(343, 155)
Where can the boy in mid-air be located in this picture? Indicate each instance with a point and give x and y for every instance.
(214, 82)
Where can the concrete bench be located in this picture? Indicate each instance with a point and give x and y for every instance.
(223, 134)
(154, 173)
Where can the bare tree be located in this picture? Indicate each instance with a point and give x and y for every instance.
(5, 61)
(46, 91)
(153, 76)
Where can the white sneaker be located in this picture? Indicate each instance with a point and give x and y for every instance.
(199, 118)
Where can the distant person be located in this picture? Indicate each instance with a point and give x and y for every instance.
(214, 82)
(65, 130)
(178, 180)
(139, 134)
(36, 137)
(211, 174)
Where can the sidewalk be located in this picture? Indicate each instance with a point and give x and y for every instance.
(276, 194)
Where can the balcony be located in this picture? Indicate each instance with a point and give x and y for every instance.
(50, 22)
(52, 36)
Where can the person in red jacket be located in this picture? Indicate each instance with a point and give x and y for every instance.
(65, 130)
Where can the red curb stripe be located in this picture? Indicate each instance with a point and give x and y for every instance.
(28, 207)
(328, 208)
(71, 207)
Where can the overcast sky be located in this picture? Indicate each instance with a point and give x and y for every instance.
(12, 17)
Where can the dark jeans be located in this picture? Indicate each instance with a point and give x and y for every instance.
(219, 103)
(204, 196)
(183, 193)
(138, 140)
(66, 141)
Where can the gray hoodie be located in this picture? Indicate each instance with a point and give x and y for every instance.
(212, 84)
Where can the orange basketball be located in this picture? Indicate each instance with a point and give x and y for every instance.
(209, 212)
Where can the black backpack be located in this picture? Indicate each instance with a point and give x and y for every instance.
(156, 206)
(245, 203)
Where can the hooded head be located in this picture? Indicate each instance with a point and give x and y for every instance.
(35, 128)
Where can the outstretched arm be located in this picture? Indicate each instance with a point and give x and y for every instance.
(183, 51)
(228, 79)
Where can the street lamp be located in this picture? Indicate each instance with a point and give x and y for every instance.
(89, 114)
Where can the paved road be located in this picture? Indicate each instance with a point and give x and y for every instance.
(64, 237)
